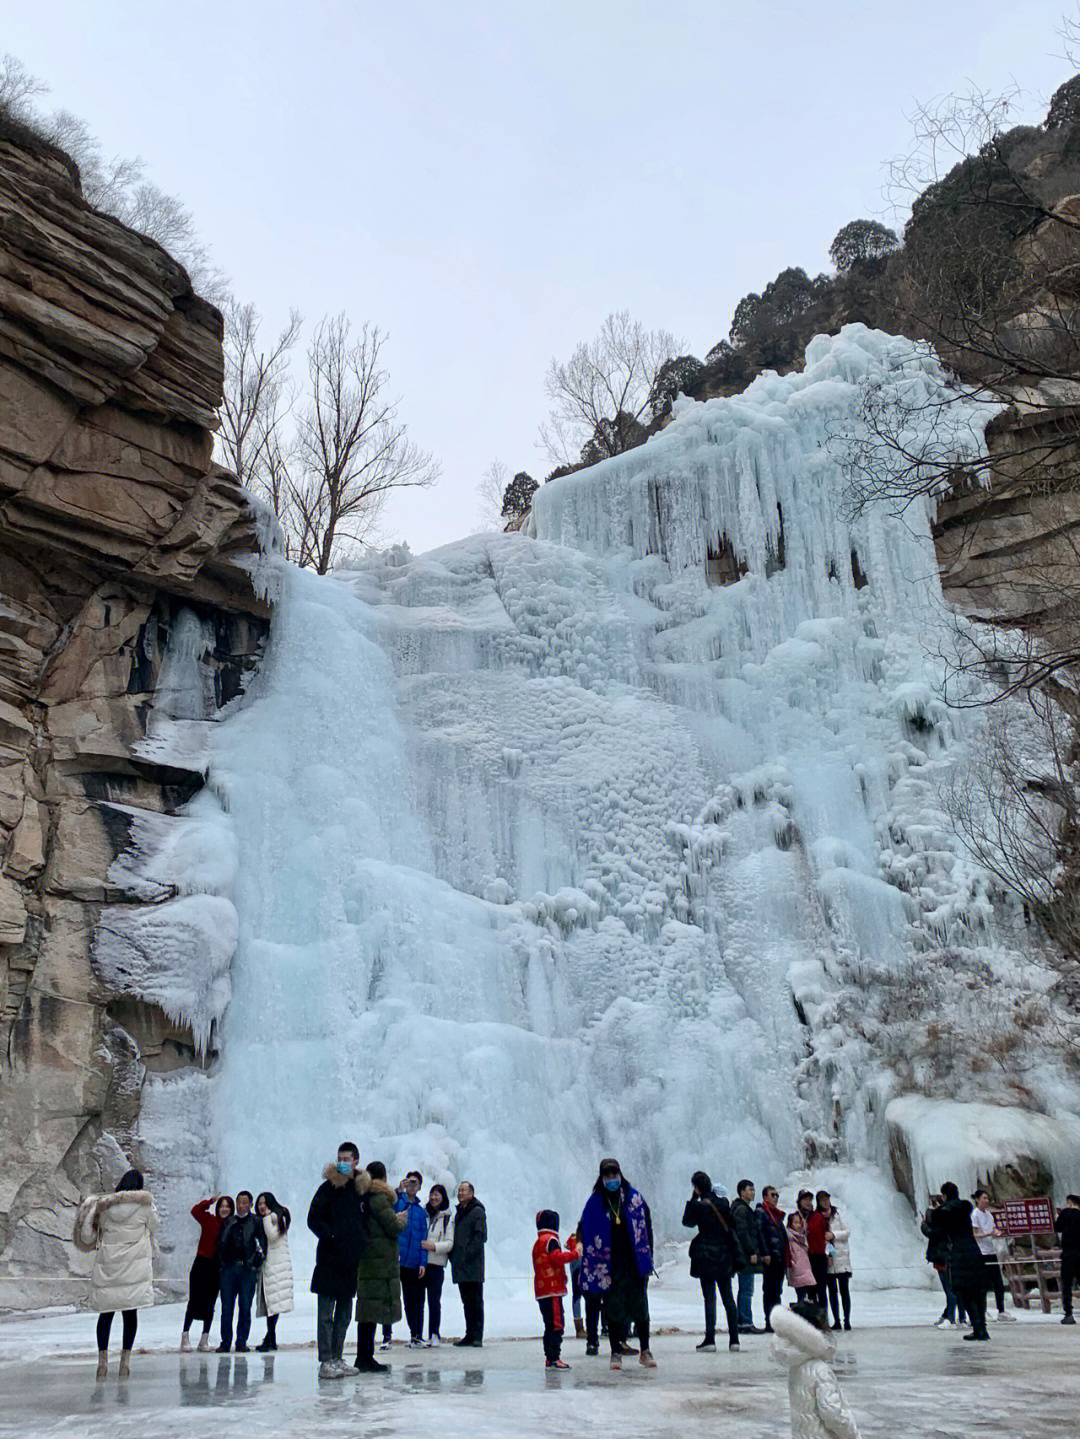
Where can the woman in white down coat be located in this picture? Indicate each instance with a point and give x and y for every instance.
(803, 1345)
(437, 1246)
(275, 1293)
(118, 1229)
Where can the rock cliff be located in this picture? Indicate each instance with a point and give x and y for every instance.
(114, 521)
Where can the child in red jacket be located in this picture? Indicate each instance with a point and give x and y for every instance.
(549, 1282)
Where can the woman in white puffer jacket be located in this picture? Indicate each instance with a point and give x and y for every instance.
(275, 1293)
(118, 1229)
(805, 1348)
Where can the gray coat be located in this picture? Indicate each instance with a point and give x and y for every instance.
(470, 1236)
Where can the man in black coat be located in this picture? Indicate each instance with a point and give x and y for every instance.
(1067, 1225)
(770, 1224)
(336, 1218)
(241, 1249)
(746, 1227)
(715, 1255)
(467, 1263)
(967, 1275)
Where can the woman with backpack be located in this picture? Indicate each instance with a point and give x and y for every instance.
(716, 1254)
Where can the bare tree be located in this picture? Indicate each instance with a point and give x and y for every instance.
(1015, 807)
(256, 379)
(489, 492)
(601, 393)
(351, 449)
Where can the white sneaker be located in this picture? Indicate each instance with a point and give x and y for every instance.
(185, 1344)
(1004, 1318)
(434, 1342)
(417, 1344)
(204, 1343)
(329, 1370)
(943, 1324)
(341, 1367)
(384, 1346)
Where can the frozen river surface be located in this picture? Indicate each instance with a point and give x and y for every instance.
(902, 1382)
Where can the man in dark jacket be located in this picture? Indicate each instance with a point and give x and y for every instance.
(715, 1255)
(241, 1249)
(770, 1225)
(467, 1263)
(1067, 1225)
(967, 1277)
(745, 1222)
(336, 1218)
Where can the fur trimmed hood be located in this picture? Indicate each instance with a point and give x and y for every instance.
(92, 1208)
(796, 1341)
(361, 1179)
(378, 1186)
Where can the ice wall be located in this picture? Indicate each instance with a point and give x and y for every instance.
(546, 848)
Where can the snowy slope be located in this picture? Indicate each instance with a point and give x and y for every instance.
(540, 847)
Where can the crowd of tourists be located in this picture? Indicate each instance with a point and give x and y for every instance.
(962, 1245)
(382, 1252)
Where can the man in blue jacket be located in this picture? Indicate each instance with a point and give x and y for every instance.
(410, 1255)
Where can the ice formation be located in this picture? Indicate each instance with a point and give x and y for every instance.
(546, 846)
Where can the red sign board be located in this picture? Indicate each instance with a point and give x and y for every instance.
(1025, 1216)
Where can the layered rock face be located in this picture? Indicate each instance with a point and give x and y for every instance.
(114, 521)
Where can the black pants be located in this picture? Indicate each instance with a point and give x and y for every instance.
(202, 1292)
(554, 1318)
(840, 1294)
(104, 1328)
(819, 1263)
(412, 1301)
(434, 1275)
(806, 1291)
(772, 1284)
(626, 1308)
(472, 1302)
(365, 1344)
(594, 1303)
(973, 1298)
(1070, 1275)
(994, 1280)
(708, 1293)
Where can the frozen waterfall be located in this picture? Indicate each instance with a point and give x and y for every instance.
(548, 846)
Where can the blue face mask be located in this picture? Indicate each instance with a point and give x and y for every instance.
(343, 1167)
(613, 1184)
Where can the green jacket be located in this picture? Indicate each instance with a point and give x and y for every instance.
(378, 1286)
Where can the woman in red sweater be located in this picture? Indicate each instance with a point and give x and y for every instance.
(818, 1238)
(210, 1214)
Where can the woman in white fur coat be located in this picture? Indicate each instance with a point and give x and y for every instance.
(803, 1345)
(118, 1229)
(275, 1293)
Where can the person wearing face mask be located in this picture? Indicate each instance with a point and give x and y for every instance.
(617, 1259)
(336, 1218)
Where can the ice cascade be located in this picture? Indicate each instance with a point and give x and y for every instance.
(557, 844)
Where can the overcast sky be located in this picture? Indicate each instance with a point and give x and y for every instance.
(486, 181)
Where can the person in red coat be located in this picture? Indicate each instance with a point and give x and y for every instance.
(210, 1214)
(818, 1239)
(549, 1260)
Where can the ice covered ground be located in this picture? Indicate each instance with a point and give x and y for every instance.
(900, 1377)
(546, 846)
